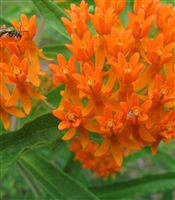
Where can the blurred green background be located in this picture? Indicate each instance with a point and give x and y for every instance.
(13, 185)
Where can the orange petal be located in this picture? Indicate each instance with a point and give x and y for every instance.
(64, 125)
(64, 96)
(84, 136)
(124, 106)
(89, 107)
(5, 119)
(154, 147)
(109, 101)
(146, 105)
(111, 80)
(145, 135)
(100, 54)
(128, 143)
(58, 113)
(34, 93)
(32, 54)
(4, 90)
(14, 98)
(134, 100)
(91, 126)
(150, 87)
(116, 152)
(32, 75)
(14, 111)
(103, 148)
(25, 99)
(70, 133)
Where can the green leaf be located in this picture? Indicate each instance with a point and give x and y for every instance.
(164, 160)
(143, 185)
(53, 180)
(168, 195)
(4, 22)
(52, 14)
(52, 51)
(41, 131)
(161, 159)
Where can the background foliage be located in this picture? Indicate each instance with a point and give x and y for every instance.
(38, 165)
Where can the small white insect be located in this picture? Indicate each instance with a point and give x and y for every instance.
(129, 115)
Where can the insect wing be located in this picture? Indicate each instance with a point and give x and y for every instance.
(11, 31)
(6, 31)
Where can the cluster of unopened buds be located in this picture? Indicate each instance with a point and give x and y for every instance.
(119, 91)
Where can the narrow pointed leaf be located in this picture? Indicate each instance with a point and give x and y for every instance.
(52, 14)
(129, 188)
(54, 181)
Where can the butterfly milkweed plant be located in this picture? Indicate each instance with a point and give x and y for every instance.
(88, 112)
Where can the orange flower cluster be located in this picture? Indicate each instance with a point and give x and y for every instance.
(19, 70)
(120, 82)
(100, 166)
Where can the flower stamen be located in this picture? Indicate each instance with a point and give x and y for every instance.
(71, 117)
(136, 112)
(169, 128)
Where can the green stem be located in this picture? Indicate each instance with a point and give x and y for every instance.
(36, 190)
(47, 105)
(39, 31)
(14, 123)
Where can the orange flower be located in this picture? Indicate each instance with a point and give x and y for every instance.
(17, 74)
(27, 27)
(136, 119)
(17, 71)
(119, 77)
(103, 21)
(65, 69)
(83, 49)
(117, 5)
(164, 14)
(4, 55)
(166, 22)
(166, 126)
(164, 93)
(3, 88)
(26, 47)
(64, 72)
(165, 130)
(81, 11)
(157, 55)
(139, 25)
(91, 84)
(5, 111)
(100, 166)
(118, 42)
(127, 73)
(150, 7)
(76, 26)
(79, 18)
(73, 120)
(113, 139)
